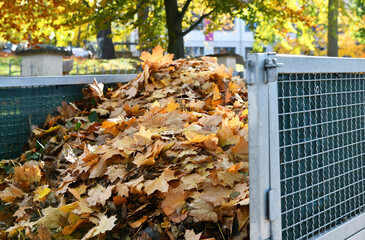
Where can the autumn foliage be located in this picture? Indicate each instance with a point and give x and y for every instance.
(162, 157)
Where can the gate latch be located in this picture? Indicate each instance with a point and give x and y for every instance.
(270, 67)
(250, 69)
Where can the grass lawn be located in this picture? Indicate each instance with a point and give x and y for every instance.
(103, 66)
(84, 66)
(4, 66)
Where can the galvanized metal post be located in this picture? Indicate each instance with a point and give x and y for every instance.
(259, 147)
(261, 75)
(271, 65)
(31, 68)
(9, 68)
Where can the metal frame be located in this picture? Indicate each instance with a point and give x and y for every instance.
(265, 194)
(63, 80)
(265, 214)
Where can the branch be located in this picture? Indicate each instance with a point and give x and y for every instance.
(181, 14)
(194, 25)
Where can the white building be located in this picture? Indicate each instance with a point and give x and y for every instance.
(238, 40)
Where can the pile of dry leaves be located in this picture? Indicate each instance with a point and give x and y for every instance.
(162, 157)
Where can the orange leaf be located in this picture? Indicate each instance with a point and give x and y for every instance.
(29, 172)
(71, 228)
(234, 168)
(138, 223)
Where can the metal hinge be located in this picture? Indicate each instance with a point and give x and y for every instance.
(271, 64)
(250, 69)
(274, 211)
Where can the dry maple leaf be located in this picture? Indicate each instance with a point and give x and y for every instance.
(138, 223)
(191, 181)
(104, 224)
(52, 218)
(227, 178)
(173, 199)
(215, 194)
(122, 189)
(160, 183)
(143, 137)
(190, 235)
(203, 211)
(99, 194)
(29, 172)
(41, 193)
(10, 193)
(226, 135)
(97, 89)
(157, 57)
(115, 171)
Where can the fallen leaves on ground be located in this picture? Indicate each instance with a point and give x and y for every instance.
(162, 157)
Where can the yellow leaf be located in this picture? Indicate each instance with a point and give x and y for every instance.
(216, 94)
(172, 106)
(52, 129)
(41, 193)
(69, 207)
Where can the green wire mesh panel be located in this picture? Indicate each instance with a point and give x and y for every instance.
(322, 148)
(20, 107)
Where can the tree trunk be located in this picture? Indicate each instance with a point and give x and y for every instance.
(174, 29)
(105, 44)
(332, 42)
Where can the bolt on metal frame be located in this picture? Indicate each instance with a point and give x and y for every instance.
(307, 147)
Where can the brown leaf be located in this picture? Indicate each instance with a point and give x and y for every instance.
(227, 178)
(191, 181)
(71, 228)
(122, 189)
(203, 211)
(105, 224)
(52, 218)
(215, 194)
(173, 199)
(44, 233)
(143, 137)
(29, 172)
(99, 194)
(10, 193)
(160, 183)
(190, 235)
(138, 223)
(115, 171)
(240, 151)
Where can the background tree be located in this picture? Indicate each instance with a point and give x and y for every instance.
(332, 33)
(166, 22)
(31, 21)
